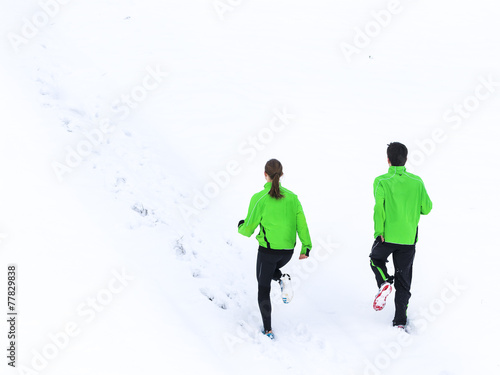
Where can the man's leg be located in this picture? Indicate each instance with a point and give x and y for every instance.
(403, 265)
(378, 259)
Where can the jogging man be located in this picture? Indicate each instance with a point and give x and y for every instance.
(400, 199)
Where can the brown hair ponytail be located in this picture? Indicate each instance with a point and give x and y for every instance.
(274, 170)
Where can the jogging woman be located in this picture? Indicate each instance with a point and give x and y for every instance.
(280, 216)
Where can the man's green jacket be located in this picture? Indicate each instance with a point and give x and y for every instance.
(280, 220)
(400, 199)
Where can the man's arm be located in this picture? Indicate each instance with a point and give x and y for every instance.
(426, 205)
(379, 210)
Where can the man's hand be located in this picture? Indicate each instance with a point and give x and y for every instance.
(303, 256)
(382, 238)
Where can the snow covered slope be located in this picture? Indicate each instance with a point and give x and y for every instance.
(134, 134)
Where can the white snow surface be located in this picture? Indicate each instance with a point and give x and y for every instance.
(133, 250)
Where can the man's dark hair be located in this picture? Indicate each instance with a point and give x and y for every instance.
(397, 153)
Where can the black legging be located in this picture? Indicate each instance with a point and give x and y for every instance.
(269, 263)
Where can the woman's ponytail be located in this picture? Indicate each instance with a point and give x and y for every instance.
(274, 170)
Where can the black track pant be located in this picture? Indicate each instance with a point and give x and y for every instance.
(269, 263)
(402, 256)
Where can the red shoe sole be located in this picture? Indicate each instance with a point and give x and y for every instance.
(381, 297)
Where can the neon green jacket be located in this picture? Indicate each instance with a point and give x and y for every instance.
(280, 220)
(400, 199)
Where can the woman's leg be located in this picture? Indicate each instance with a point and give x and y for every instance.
(266, 269)
(281, 263)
